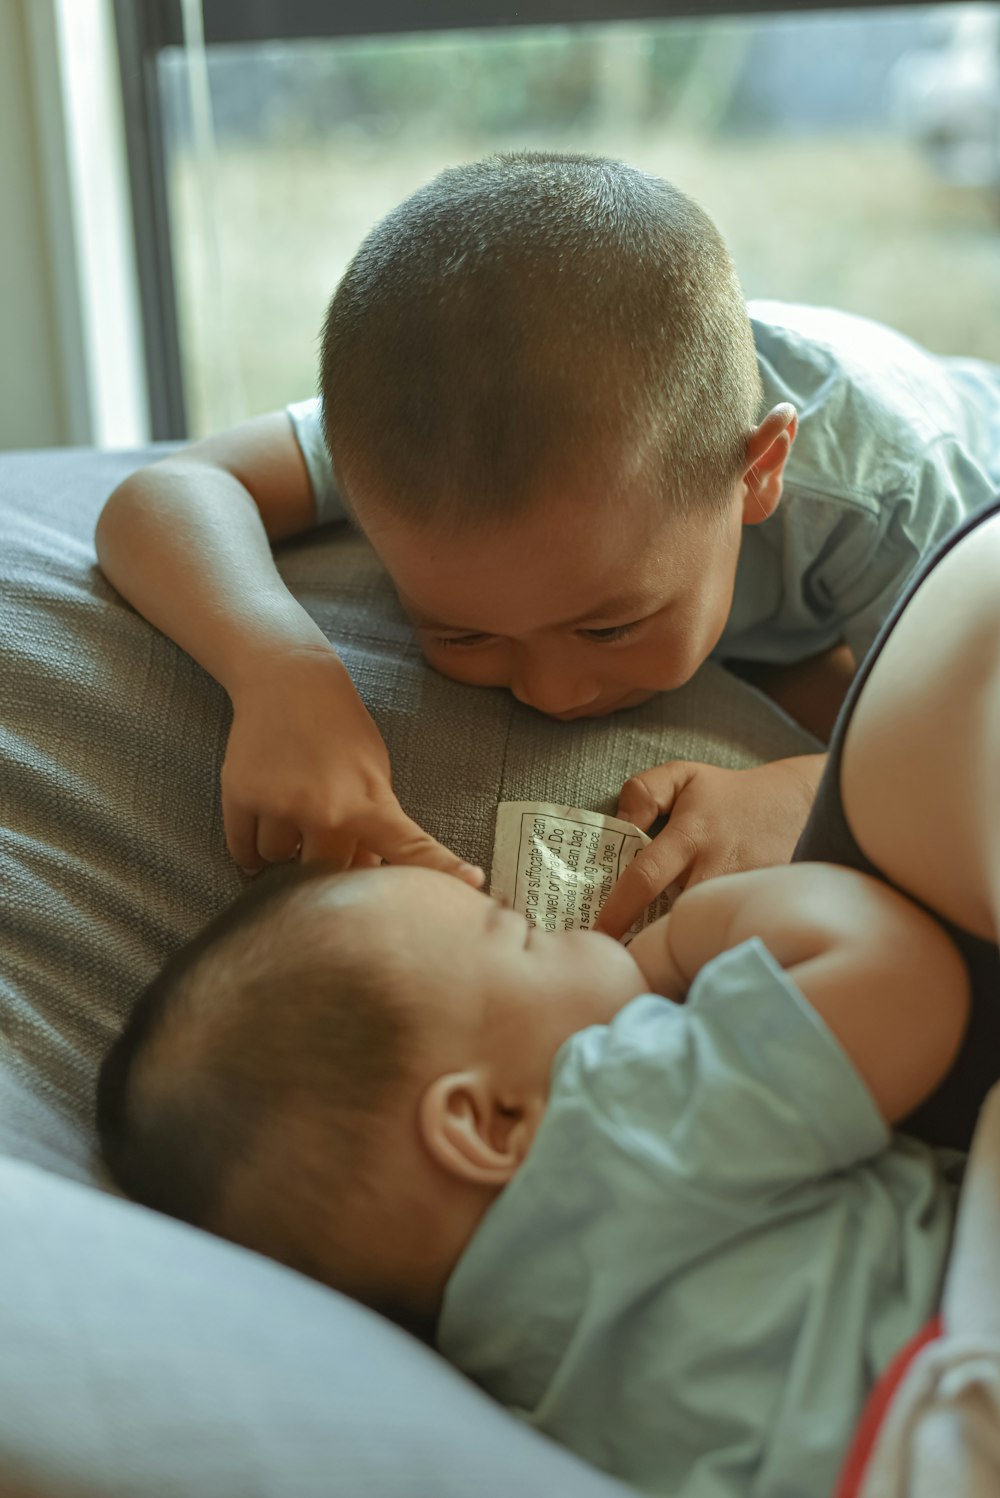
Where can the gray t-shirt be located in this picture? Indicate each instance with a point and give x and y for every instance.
(895, 446)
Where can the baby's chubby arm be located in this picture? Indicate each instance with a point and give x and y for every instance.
(882, 974)
(188, 542)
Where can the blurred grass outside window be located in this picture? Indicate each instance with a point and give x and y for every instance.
(846, 157)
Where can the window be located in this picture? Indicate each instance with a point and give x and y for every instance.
(851, 157)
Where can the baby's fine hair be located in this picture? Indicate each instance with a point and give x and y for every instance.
(524, 318)
(252, 1028)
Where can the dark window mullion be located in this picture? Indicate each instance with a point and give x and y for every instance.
(141, 31)
(276, 20)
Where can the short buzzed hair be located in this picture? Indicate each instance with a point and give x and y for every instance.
(248, 1028)
(522, 314)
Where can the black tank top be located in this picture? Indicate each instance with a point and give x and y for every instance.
(948, 1116)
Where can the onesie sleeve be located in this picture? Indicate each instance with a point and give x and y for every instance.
(307, 424)
(740, 1093)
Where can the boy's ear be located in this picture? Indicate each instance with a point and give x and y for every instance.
(767, 453)
(471, 1132)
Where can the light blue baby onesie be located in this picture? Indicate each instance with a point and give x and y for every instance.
(712, 1250)
(895, 446)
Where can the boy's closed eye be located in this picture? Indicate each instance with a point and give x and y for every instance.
(461, 640)
(604, 635)
(610, 632)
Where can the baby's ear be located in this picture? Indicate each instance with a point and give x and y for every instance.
(470, 1132)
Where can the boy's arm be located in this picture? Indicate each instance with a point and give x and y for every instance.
(811, 692)
(881, 972)
(187, 542)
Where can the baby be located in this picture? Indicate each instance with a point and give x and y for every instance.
(647, 1197)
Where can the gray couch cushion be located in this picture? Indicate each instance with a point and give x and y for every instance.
(112, 852)
(143, 1358)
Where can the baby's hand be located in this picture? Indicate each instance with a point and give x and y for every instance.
(720, 821)
(306, 770)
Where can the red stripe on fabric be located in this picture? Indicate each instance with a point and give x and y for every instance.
(874, 1412)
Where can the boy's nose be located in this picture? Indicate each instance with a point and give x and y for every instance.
(549, 689)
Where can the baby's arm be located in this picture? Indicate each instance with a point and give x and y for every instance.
(882, 974)
(188, 542)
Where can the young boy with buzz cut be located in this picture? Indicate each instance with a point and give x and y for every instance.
(678, 1237)
(548, 407)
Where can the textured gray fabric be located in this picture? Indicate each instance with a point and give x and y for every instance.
(120, 1332)
(140, 1357)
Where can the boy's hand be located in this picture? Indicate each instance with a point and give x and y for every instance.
(306, 770)
(720, 821)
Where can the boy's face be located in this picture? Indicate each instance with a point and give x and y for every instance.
(580, 607)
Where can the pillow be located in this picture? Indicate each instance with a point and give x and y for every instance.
(140, 1355)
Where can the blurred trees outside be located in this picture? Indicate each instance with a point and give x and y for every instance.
(786, 128)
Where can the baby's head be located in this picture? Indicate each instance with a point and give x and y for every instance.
(542, 400)
(343, 1070)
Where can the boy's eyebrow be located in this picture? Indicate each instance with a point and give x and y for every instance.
(621, 603)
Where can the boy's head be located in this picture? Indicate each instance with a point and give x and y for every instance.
(541, 398)
(343, 1070)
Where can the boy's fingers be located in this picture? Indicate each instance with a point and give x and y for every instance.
(651, 871)
(396, 839)
(402, 841)
(333, 845)
(650, 795)
(363, 859)
(241, 837)
(277, 839)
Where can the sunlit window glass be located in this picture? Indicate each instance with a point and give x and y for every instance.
(850, 158)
